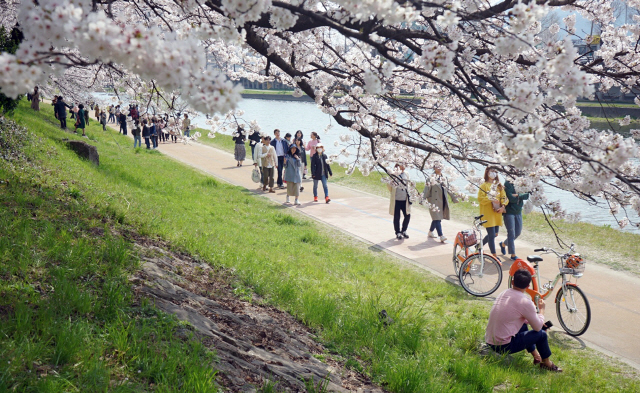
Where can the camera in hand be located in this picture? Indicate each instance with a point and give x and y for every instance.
(547, 325)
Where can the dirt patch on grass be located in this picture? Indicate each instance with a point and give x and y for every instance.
(255, 343)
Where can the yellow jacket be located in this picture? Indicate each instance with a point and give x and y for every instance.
(493, 219)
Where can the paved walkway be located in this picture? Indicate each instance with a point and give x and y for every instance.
(614, 296)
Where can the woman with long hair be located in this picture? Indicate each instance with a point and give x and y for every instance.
(493, 200)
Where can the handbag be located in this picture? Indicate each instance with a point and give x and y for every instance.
(255, 175)
(496, 206)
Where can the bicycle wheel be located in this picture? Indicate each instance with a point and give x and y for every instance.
(459, 255)
(574, 312)
(479, 279)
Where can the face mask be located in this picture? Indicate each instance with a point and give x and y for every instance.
(492, 175)
(320, 151)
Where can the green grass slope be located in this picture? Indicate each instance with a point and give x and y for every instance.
(334, 285)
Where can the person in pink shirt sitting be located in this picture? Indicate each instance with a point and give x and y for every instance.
(507, 330)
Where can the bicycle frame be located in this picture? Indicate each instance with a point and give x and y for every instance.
(534, 290)
(479, 246)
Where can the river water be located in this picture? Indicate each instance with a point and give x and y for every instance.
(290, 116)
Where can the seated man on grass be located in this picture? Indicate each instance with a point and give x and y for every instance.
(507, 330)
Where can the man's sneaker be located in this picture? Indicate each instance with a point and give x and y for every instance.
(327, 199)
(399, 236)
(443, 238)
(315, 199)
(503, 249)
(432, 235)
(404, 234)
(288, 199)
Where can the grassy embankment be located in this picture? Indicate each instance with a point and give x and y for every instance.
(594, 241)
(332, 284)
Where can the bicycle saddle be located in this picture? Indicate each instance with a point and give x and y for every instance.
(534, 258)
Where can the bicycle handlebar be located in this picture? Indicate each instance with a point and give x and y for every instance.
(479, 217)
(540, 250)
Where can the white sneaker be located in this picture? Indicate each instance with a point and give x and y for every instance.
(288, 200)
(443, 238)
(433, 235)
(296, 202)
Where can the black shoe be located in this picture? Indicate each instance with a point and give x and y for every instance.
(399, 236)
(404, 234)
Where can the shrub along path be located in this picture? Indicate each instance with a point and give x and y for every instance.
(366, 216)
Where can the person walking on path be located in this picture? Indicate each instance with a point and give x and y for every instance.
(436, 195)
(512, 218)
(146, 133)
(400, 202)
(80, 119)
(123, 123)
(153, 131)
(61, 112)
(35, 99)
(135, 131)
(255, 140)
(269, 161)
(103, 120)
(96, 111)
(313, 143)
(492, 200)
(186, 124)
(292, 174)
(240, 151)
(257, 160)
(303, 158)
(282, 147)
(507, 330)
(112, 114)
(303, 152)
(320, 171)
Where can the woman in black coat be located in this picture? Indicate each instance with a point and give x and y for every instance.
(320, 171)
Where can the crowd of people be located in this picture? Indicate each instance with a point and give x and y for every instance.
(284, 160)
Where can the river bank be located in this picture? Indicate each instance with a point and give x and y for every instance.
(335, 286)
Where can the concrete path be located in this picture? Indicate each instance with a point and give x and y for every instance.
(614, 296)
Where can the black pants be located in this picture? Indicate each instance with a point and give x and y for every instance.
(280, 167)
(123, 128)
(174, 138)
(401, 206)
(63, 122)
(146, 142)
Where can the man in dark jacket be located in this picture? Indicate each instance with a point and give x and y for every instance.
(123, 123)
(146, 134)
(254, 139)
(61, 112)
(512, 218)
(282, 147)
(320, 171)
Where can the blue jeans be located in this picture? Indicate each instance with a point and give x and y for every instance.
(137, 139)
(323, 179)
(526, 339)
(492, 232)
(146, 142)
(187, 133)
(437, 225)
(513, 222)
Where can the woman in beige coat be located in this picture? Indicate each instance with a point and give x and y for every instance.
(436, 195)
(400, 202)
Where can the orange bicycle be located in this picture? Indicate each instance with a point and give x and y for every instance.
(572, 306)
(479, 274)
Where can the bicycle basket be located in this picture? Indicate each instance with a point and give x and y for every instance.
(573, 264)
(468, 238)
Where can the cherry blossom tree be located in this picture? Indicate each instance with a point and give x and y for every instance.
(470, 82)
